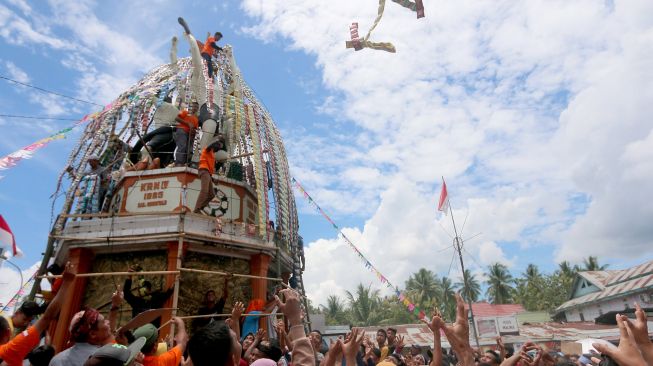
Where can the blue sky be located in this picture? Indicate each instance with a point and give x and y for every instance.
(536, 114)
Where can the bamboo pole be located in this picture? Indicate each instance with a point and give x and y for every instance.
(180, 244)
(109, 274)
(119, 238)
(217, 315)
(226, 274)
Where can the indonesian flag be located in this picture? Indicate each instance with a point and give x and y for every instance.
(443, 205)
(7, 237)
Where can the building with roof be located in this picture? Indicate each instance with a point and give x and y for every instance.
(595, 293)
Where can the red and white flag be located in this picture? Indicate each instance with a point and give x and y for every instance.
(7, 237)
(443, 204)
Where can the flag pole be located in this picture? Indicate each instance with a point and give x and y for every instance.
(458, 245)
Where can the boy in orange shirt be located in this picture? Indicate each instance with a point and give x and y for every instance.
(211, 46)
(186, 125)
(206, 170)
(12, 352)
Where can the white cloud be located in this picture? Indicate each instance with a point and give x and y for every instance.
(537, 113)
(10, 281)
(16, 72)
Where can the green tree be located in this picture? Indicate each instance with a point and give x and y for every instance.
(335, 311)
(447, 303)
(422, 286)
(592, 264)
(473, 284)
(364, 305)
(499, 284)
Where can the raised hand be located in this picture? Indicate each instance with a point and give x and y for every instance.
(291, 308)
(458, 334)
(526, 358)
(501, 347)
(334, 356)
(260, 334)
(627, 353)
(117, 297)
(640, 332)
(399, 344)
(352, 345)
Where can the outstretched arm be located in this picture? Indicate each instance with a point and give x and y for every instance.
(291, 309)
(52, 311)
(116, 301)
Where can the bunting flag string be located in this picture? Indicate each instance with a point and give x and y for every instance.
(20, 293)
(26, 152)
(403, 298)
(357, 44)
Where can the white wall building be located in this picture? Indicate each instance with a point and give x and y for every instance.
(598, 292)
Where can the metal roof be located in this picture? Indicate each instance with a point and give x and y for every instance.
(614, 284)
(421, 335)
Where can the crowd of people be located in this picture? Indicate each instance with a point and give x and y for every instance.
(96, 340)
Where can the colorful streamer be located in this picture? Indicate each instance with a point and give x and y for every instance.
(26, 152)
(357, 44)
(412, 308)
(21, 292)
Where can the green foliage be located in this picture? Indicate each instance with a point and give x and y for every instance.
(499, 284)
(535, 290)
(474, 287)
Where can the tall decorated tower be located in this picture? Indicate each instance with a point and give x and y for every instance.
(128, 206)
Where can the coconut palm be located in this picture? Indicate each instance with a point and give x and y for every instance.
(532, 273)
(447, 298)
(499, 284)
(473, 286)
(592, 264)
(335, 310)
(364, 305)
(423, 285)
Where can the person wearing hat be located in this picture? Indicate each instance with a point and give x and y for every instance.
(151, 335)
(206, 170)
(89, 330)
(116, 354)
(14, 351)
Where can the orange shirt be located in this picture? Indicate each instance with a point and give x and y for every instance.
(170, 358)
(188, 118)
(14, 351)
(207, 160)
(207, 48)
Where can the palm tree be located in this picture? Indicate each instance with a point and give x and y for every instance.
(566, 270)
(499, 279)
(532, 273)
(423, 285)
(473, 286)
(592, 264)
(364, 305)
(447, 298)
(335, 310)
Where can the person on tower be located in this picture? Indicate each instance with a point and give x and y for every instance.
(147, 298)
(206, 170)
(185, 133)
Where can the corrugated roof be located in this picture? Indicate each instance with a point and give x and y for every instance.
(614, 284)
(421, 335)
(485, 309)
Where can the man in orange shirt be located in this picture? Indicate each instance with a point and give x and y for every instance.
(186, 125)
(151, 334)
(211, 46)
(206, 170)
(12, 352)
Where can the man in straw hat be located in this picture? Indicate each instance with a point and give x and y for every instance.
(206, 170)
